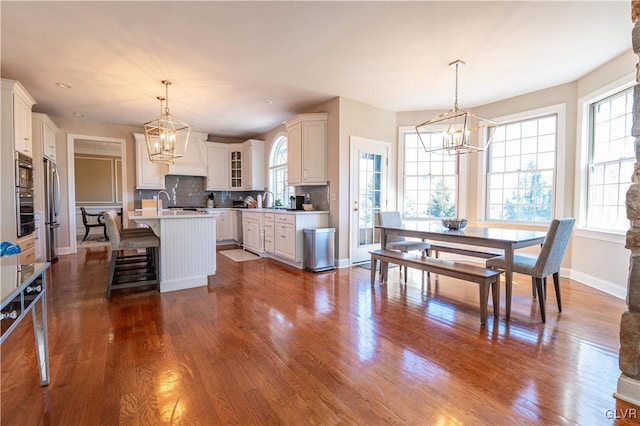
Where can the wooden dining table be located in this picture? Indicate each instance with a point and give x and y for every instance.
(506, 239)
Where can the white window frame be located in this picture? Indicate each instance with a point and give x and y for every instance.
(559, 176)
(272, 167)
(583, 156)
(463, 166)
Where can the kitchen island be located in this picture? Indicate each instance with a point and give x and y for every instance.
(187, 246)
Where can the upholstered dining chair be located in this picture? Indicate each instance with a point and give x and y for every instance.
(540, 266)
(92, 220)
(393, 218)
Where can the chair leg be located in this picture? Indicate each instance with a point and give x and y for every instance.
(556, 284)
(106, 237)
(540, 297)
(86, 233)
(533, 287)
(374, 264)
(544, 287)
(112, 270)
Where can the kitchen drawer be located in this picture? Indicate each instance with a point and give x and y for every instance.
(269, 217)
(268, 244)
(27, 256)
(269, 229)
(286, 218)
(27, 242)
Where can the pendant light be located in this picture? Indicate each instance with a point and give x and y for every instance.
(455, 130)
(166, 136)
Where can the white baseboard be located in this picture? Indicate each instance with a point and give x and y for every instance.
(597, 283)
(344, 263)
(65, 250)
(628, 390)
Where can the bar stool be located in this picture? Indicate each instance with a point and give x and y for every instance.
(131, 270)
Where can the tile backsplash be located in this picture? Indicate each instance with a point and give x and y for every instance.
(190, 191)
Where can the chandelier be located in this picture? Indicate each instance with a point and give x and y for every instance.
(166, 135)
(452, 131)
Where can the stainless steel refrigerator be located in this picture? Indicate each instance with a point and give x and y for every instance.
(51, 208)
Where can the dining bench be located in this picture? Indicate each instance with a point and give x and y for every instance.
(484, 277)
(466, 250)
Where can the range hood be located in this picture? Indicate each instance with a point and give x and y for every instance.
(194, 162)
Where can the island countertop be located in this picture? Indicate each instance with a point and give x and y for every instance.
(165, 214)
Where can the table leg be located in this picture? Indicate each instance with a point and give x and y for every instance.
(39, 314)
(508, 278)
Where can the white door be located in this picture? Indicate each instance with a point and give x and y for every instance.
(369, 178)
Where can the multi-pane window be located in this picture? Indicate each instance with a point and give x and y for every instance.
(278, 171)
(522, 159)
(430, 179)
(611, 161)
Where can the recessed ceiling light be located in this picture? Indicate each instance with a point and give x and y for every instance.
(78, 114)
(63, 86)
(267, 101)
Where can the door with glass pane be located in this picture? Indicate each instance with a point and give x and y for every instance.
(368, 194)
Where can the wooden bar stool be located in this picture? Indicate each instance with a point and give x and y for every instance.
(127, 269)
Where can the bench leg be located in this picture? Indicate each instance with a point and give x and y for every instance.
(484, 301)
(495, 291)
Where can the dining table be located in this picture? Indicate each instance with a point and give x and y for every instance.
(506, 239)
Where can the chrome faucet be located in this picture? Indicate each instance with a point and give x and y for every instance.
(273, 199)
(158, 199)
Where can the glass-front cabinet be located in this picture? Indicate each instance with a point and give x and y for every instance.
(236, 169)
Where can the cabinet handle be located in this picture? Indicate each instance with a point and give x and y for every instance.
(12, 315)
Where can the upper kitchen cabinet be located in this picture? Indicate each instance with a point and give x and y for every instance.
(148, 175)
(16, 111)
(307, 149)
(44, 134)
(194, 162)
(253, 165)
(217, 166)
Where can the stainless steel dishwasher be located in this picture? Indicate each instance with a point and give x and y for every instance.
(239, 225)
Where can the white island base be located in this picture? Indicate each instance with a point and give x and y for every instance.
(187, 246)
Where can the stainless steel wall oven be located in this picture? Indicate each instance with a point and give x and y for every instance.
(25, 212)
(24, 171)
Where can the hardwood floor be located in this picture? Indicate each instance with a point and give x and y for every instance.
(267, 344)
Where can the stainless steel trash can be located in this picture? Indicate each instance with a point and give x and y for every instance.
(319, 244)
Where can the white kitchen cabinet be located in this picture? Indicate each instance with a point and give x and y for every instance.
(217, 167)
(18, 107)
(194, 161)
(148, 175)
(44, 134)
(13, 130)
(307, 149)
(253, 165)
(224, 228)
(269, 233)
(285, 241)
(253, 231)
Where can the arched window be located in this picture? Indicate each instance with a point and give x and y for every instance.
(278, 170)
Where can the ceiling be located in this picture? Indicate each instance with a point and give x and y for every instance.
(228, 60)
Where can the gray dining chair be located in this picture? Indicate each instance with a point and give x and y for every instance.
(540, 266)
(394, 242)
